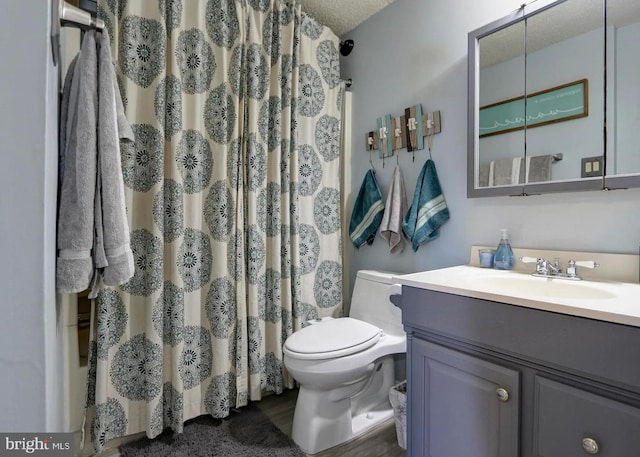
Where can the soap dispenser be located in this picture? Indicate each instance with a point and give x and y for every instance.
(504, 258)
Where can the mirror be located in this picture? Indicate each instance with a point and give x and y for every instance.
(537, 99)
(502, 84)
(565, 56)
(623, 95)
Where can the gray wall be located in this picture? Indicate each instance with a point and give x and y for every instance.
(415, 51)
(30, 343)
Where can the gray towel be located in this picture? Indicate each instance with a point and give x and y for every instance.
(65, 100)
(112, 127)
(74, 269)
(539, 168)
(93, 235)
(513, 171)
(483, 174)
(503, 172)
(396, 207)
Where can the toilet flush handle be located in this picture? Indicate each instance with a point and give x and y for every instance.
(394, 294)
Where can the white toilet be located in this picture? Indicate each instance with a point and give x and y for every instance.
(345, 367)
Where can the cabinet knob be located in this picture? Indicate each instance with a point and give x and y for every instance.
(590, 446)
(503, 394)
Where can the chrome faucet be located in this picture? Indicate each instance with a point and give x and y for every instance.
(546, 269)
(572, 271)
(543, 266)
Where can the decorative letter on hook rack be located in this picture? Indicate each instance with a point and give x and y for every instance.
(431, 123)
(399, 129)
(385, 134)
(414, 128)
(372, 141)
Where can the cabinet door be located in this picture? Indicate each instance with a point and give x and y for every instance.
(572, 422)
(460, 405)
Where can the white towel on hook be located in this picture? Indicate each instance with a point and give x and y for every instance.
(396, 207)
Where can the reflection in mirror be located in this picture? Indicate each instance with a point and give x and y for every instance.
(501, 84)
(564, 77)
(623, 81)
(565, 58)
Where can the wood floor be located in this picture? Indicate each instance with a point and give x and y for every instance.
(380, 442)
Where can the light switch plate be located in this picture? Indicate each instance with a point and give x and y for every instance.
(592, 166)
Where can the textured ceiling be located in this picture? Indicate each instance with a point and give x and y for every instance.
(342, 16)
(552, 26)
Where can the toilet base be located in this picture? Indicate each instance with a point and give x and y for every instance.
(323, 419)
(319, 424)
(364, 422)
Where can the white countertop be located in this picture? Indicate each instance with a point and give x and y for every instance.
(609, 301)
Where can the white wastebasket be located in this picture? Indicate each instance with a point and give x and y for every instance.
(398, 399)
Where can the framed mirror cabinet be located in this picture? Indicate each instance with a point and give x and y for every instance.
(554, 99)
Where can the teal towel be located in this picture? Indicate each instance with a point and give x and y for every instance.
(367, 212)
(428, 210)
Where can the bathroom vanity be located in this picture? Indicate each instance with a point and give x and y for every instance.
(501, 364)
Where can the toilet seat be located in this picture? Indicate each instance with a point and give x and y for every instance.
(331, 339)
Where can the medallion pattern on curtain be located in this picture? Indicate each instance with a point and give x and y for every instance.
(233, 200)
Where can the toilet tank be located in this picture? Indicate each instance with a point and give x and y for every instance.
(370, 303)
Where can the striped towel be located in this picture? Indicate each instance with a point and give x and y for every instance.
(367, 212)
(428, 210)
(391, 226)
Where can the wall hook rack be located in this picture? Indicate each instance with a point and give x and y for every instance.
(406, 131)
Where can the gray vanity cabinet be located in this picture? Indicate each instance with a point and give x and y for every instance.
(498, 380)
(565, 416)
(476, 414)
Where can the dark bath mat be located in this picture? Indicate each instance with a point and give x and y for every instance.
(245, 433)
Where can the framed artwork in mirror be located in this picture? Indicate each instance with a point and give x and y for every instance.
(557, 104)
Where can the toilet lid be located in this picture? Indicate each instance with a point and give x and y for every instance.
(333, 338)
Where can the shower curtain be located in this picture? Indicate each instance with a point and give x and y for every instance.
(233, 200)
